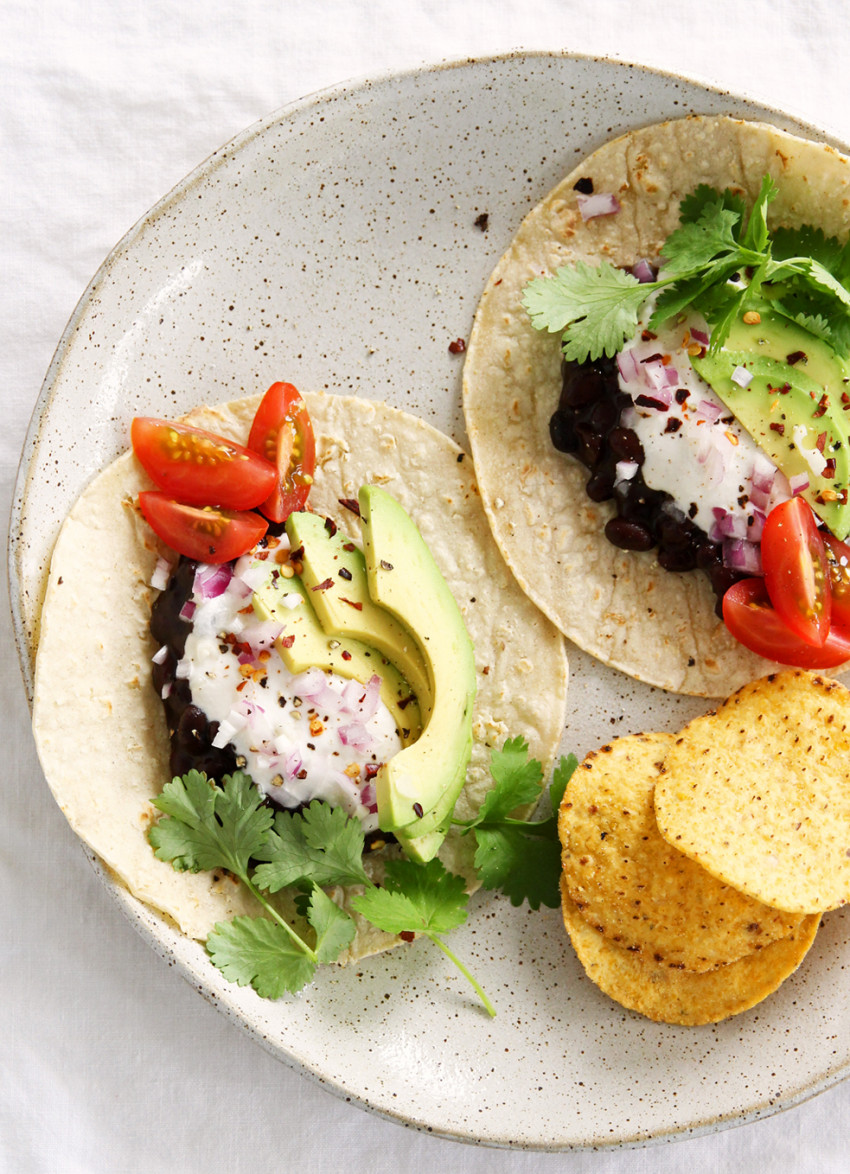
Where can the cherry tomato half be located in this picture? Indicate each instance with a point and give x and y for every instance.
(283, 434)
(838, 562)
(207, 535)
(200, 468)
(795, 570)
(749, 616)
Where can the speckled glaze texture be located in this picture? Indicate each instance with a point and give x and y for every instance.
(342, 244)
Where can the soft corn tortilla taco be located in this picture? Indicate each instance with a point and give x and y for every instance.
(620, 606)
(99, 725)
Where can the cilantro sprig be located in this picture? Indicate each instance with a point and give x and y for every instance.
(520, 858)
(804, 275)
(205, 826)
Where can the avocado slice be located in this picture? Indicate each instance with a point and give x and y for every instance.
(334, 573)
(417, 789)
(794, 410)
(305, 644)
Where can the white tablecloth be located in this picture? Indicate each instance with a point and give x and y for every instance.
(109, 1062)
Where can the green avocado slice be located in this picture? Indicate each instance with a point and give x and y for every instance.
(417, 789)
(304, 644)
(334, 573)
(796, 406)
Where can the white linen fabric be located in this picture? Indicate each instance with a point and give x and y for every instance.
(110, 1062)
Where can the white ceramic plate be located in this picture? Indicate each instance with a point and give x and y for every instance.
(335, 245)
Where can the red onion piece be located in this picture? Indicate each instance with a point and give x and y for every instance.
(600, 204)
(628, 366)
(187, 610)
(798, 484)
(643, 271)
(740, 555)
(212, 581)
(710, 410)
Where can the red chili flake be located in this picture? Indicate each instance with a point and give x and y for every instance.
(795, 357)
(418, 810)
(482, 221)
(370, 770)
(296, 555)
(820, 442)
(350, 503)
(823, 404)
(287, 641)
(682, 394)
(780, 428)
(457, 347)
(845, 398)
(323, 586)
(346, 655)
(355, 603)
(647, 401)
(349, 546)
(829, 471)
(584, 185)
(673, 424)
(241, 686)
(648, 336)
(407, 935)
(330, 526)
(344, 573)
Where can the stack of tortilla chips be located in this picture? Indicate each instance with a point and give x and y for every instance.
(696, 866)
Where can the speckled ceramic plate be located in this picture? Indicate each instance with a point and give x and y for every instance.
(340, 244)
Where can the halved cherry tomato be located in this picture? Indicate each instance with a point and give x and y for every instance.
(207, 535)
(749, 616)
(199, 467)
(795, 570)
(283, 434)
(838, 562)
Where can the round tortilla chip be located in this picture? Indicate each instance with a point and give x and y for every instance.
(621, 607)
(681, 996)
(99, 727)
(759, 792)
(632, 886)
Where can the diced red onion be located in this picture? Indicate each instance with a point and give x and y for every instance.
(600, 204)
(710, 410)
(356, 736)
(254, 575)
(160, 655)
(699, 336)
(212, 581)
(183, 672)
(625, 470)
(187, 610)
(798, 483)
(166, 690)
(369, 796)
(740, 555)
(161, 574)
(643, 271)
(628, 366)
(742, 376)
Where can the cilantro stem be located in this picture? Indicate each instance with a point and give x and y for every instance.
(438, 941)
(296, 940)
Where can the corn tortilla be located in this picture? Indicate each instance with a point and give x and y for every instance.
(99, 727)
(621, 607)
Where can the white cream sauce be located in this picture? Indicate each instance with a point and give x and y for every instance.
(314, 735)
(706, 460)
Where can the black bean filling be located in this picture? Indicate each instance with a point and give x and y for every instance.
(587, 424)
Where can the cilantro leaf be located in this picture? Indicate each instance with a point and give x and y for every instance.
(524, 868)
(802, 272)
(521, 858)
(207, 826)
(597, 306)
(334, 928)
(416, 898)
(320, 845)
(257, 952)
(517, 781)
